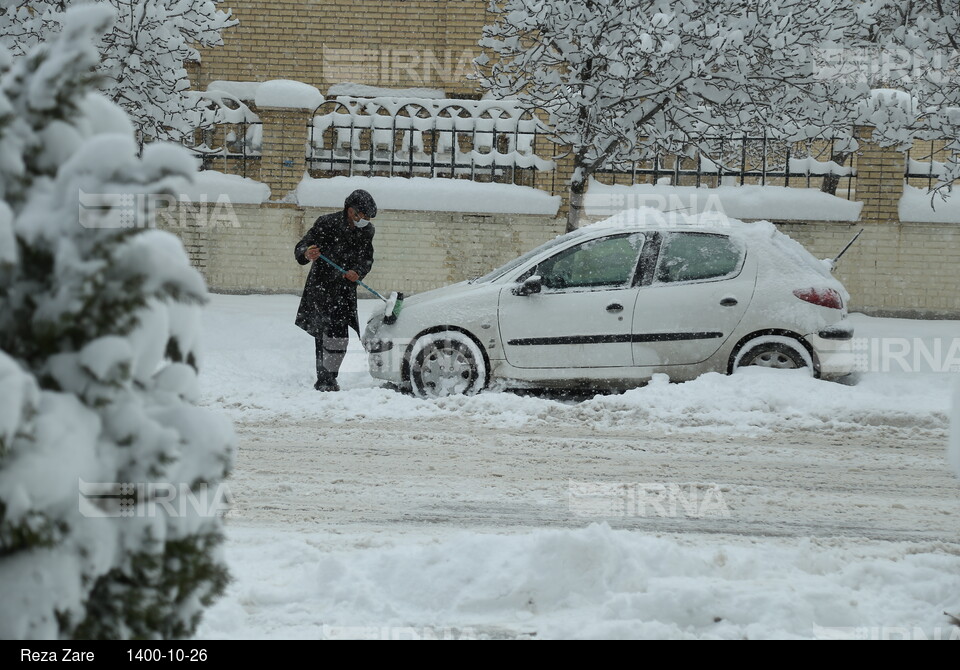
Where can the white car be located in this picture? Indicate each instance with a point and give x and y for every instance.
(611, 304)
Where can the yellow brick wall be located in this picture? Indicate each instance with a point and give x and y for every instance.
(284, 138)
(389, 43)
(249, 249)
(906, 269)
(896, 267)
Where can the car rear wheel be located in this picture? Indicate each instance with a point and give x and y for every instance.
(773, 356)
(779, 353)
(447, 363)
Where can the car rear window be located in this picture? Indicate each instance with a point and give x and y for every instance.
(697, 257)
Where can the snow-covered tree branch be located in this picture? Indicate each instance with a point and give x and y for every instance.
(623, 79)
(142, 56)
(913, 48)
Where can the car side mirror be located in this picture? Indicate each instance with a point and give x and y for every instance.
(530, 286)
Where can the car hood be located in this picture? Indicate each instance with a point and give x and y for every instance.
(440, 293)
(419, 309)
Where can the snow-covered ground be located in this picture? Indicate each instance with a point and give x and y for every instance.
(763, 505)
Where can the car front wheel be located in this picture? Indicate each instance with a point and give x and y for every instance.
(447, 363)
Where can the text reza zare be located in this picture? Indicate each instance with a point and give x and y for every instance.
(67, 655)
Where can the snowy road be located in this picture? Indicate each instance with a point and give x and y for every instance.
(881, 483)
(763, 505)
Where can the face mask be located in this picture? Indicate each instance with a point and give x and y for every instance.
(362, 223)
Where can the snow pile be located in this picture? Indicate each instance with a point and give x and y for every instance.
(777, 203)
(916, 204)
(430, 195)
(260, 366)
(213, 186)
(592, 582)
(888, 109)
(288, 94)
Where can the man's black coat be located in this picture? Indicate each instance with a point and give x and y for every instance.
(329, 299)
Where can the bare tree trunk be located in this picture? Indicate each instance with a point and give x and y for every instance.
(831, 181)
(578, 189)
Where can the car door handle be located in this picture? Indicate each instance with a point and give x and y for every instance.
(615, 307)
(728, 302)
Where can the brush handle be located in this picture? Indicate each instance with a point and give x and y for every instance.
(358, 281)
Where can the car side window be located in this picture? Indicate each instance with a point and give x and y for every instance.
(605, 262)
(698, 257)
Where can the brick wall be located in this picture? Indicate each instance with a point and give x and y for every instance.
(880, 179)
(896, 269)
(902, 269)
(252, 250)
(245, 251)
(389, 43)
(284, 140)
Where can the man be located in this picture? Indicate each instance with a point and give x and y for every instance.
(329, 303)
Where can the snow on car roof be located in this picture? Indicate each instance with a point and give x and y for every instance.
(757, 232)
(762, 237)
(648, 217)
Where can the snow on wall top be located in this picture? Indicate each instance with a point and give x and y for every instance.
(212, 186)
(917, 205)
(432, 195)
(289, 94)
(780, 203)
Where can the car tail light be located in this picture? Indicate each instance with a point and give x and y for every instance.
(825, 297)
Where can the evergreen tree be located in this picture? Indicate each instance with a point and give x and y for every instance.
(110, 476)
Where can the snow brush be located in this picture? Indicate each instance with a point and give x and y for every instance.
(391, 310)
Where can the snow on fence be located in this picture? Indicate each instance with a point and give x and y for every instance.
(480, 140)
(235, 145)
(926, 161)
(747, 160)
(498, 141)
(231, 148)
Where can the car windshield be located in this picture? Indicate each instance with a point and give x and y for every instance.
(517, 262)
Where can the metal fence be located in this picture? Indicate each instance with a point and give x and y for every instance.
(232, 148)
(748, 160)
(478, 140)
(926, 162)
